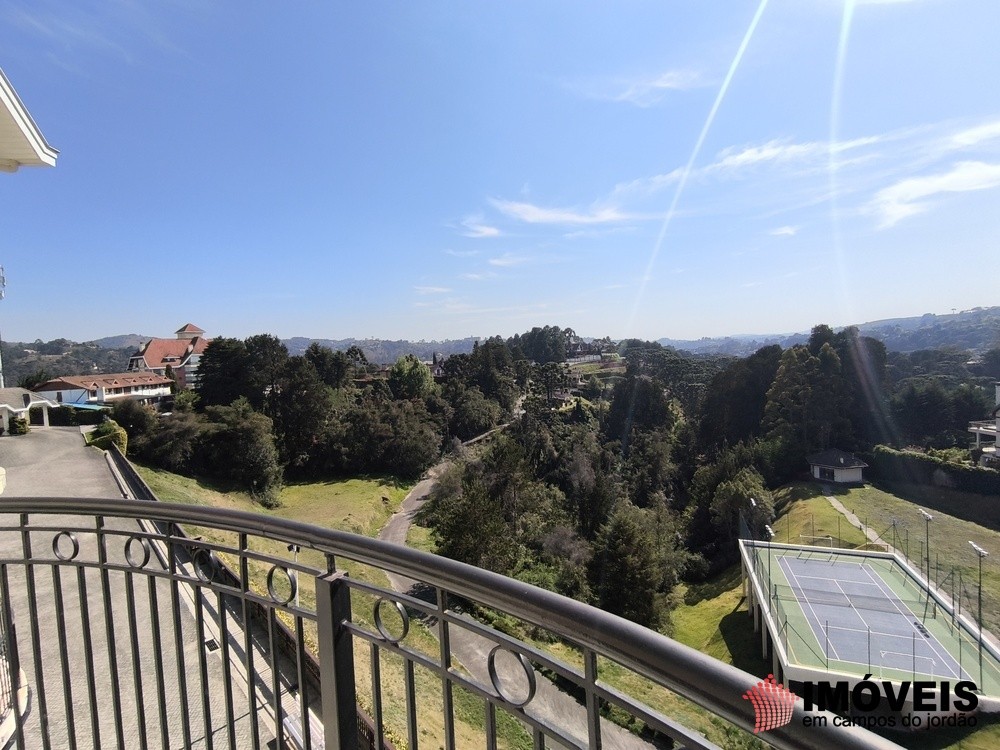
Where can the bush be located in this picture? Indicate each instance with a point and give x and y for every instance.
(109, 433)
(19, 426)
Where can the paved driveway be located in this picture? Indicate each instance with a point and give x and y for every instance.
(55, 462)
(72, 624)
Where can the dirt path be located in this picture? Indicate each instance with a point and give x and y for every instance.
(550, 704)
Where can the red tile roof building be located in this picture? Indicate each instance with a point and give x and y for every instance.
(105, 389)
(180, 354)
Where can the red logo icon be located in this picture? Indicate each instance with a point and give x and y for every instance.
(772, 704)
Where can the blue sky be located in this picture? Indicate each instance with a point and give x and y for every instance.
(440, 170)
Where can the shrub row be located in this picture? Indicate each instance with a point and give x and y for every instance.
(919, 468)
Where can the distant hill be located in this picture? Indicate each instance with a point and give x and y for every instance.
(53, 359)
(126, 340)
(381, 351)
(976, 330)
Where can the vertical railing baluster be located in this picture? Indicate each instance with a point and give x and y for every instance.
(13, 657)
(411, 705)
(491, 726)
(36, 643)
(377, 694)
(156, 641)
(175, 611)
(199, 622)
(109, 633)
(279, 723)
(336, 658)
(248, 641)
(447, 695)
(140, 700)
(538, 739)
(227, 670)
(88, 654)
(64, 654)
(300, 657)
(593, 702)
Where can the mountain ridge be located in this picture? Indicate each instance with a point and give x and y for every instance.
(977, 329)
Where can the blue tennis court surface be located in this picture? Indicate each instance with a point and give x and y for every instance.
(857, 617)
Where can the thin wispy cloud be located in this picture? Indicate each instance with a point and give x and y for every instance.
(790, 178)
(431, 289)
(911, 196)
(649, 91)
(643, 90)
(480, 276)
(534, 214)
(461, 253)
(975, 136)
(647, 185)
(473, 226)
(783, 152)
(507, 260)
(106, 28)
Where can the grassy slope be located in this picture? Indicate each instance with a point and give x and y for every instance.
(355, 505)
(713, 617)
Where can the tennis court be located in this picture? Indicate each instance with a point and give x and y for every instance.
(857, 612)
(858, 618)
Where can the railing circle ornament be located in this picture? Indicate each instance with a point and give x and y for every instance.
(529, 673)
(201, 558)
(57, 546)
(383, 630)
(292, 582)
(130, 554)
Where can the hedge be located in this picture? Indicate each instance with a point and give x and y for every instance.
(919, 468)
(109, 433)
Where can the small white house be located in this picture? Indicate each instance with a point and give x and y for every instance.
(17, 402)
(836, 466)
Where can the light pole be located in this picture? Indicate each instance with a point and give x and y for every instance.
(982, 553)
(927, 543)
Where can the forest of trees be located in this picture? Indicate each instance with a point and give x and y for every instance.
(612, 494)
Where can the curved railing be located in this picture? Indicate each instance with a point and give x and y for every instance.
(196, 626)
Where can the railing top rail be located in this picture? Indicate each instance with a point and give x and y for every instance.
(711, 684)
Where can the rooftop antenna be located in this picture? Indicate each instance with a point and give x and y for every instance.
(3, 287)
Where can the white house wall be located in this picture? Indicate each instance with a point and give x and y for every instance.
(847, 475)
(69, 395)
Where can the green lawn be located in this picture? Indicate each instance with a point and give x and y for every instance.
(361, 506)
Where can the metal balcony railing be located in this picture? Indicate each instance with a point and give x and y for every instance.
(145, 624)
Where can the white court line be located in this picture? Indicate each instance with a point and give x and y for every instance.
(947, 662)
(863, 620)
(830, 645)
(829, 578)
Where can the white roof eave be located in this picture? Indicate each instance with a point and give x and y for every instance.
(21, 142)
